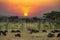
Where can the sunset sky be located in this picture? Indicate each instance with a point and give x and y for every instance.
(28, 8)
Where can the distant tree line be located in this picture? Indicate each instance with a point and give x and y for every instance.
(17, 19)
(52, 16)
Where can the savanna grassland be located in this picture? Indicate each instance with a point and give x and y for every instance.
(25, 33)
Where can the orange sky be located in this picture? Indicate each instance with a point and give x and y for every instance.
(32, 7)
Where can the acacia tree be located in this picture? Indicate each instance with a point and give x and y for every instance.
(53, 17)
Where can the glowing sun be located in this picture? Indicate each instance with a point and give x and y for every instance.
(26, 10)
(25, 14)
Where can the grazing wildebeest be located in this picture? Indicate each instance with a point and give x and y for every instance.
(33, 31)
(3, 32)
(58, 35)
(18, 31)
(14, 31)
(51, 35)
(55, 31)
(44, 30)
(17, 35)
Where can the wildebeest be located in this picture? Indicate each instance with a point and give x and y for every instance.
(58, 35)
(51, 35)
(33, 31)
(55, 31)
(18, 31)
(44, 30)
(14, 31)
(17, 35)
(3, 32)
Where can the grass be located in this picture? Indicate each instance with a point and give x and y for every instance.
(24, 25)
(25, 34)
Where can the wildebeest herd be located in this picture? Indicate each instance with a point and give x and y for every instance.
(18, 32)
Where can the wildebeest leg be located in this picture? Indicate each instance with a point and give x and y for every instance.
(30, 32)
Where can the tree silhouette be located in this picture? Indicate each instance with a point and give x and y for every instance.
(53, 17)
(13, 19)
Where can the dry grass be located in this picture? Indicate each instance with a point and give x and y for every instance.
(26, 36)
